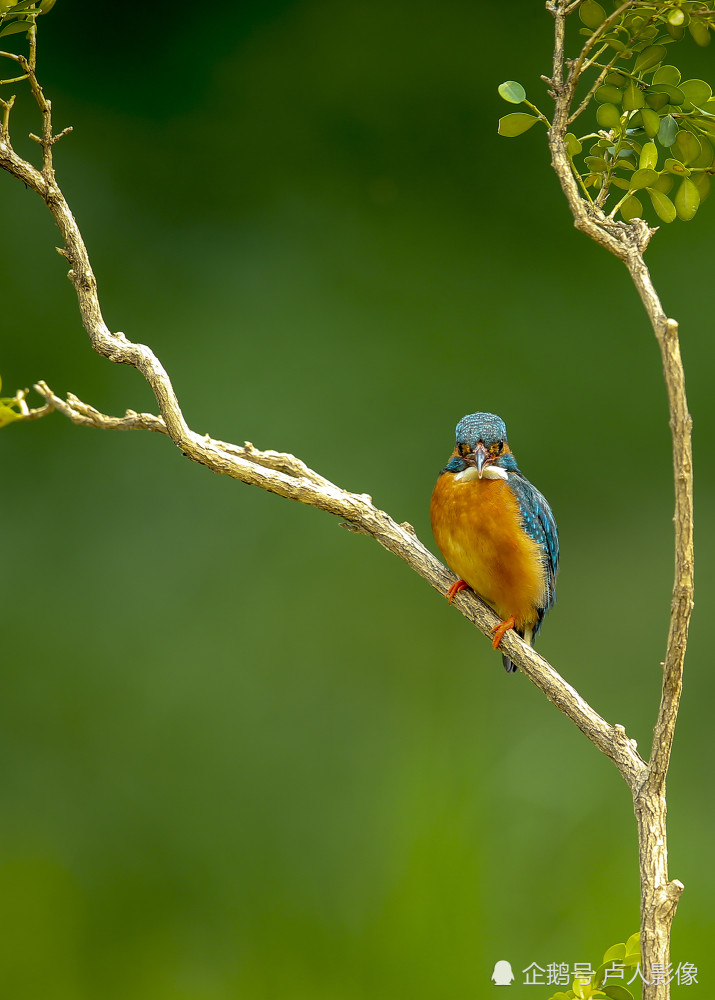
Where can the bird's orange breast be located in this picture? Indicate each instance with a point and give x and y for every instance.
(477, 527)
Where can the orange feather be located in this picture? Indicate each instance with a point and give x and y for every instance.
(477, 526)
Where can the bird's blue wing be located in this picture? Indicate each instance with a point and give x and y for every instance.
(538, 522)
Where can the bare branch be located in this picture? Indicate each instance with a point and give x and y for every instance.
(273, 471)
(81, 413)
(288, 476)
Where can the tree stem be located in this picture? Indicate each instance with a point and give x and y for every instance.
(628, 242)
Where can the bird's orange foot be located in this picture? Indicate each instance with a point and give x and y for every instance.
(455, 589)
(500, 629)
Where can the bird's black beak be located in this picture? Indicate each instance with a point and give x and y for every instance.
(481, 457)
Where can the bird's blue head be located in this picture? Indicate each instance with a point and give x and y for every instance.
(481, 444)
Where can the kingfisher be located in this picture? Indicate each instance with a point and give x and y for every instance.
(495, 530)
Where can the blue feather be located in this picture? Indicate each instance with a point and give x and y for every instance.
(538, 522)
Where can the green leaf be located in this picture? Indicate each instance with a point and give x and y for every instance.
(609, 93)
(608, 116)
(516, 123)
(648, 159)
(667, 74)
(573, 145)
(707, 154)
(45, 6)
(649, 58)
(7, 413)
(667, 131)
(617, 79)
(641, 179)
(16, 27)
(665, 210)
(592, 14)
(633, 97)
(687, 200)
(651, 121)
(512, 92)
(705, 124)
(663, 184)
(631, 209)
(705, 112)
(655, 100)
(699, 31)
(675, 31)
(648, 35)
(596, 164)
(676, 16)
(614, 42)
(697, 92)
(703, 183)
(674, 94)
(620, 182)
(673, 166)
(686, 147)
(615, 953)
(633, 944)
(581, 990)
(600, 974)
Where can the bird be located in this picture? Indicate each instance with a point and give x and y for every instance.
(495, 530)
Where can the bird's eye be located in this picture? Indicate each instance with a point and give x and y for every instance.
(500, 445)
(462, 448)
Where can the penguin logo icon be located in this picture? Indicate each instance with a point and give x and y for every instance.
(502, 975)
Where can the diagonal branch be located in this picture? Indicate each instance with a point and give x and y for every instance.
(288, 476)
(273, 471)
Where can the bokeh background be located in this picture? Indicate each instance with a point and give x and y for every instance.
(247, 754)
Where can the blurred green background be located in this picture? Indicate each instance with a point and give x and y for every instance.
(246, 753)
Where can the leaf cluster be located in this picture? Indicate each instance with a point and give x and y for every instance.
(655, 133)
(599, 987)
(19, 15)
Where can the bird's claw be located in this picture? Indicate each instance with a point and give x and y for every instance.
(500, 629)
(455, 589)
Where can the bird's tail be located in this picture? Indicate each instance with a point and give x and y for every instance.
(527, 635)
